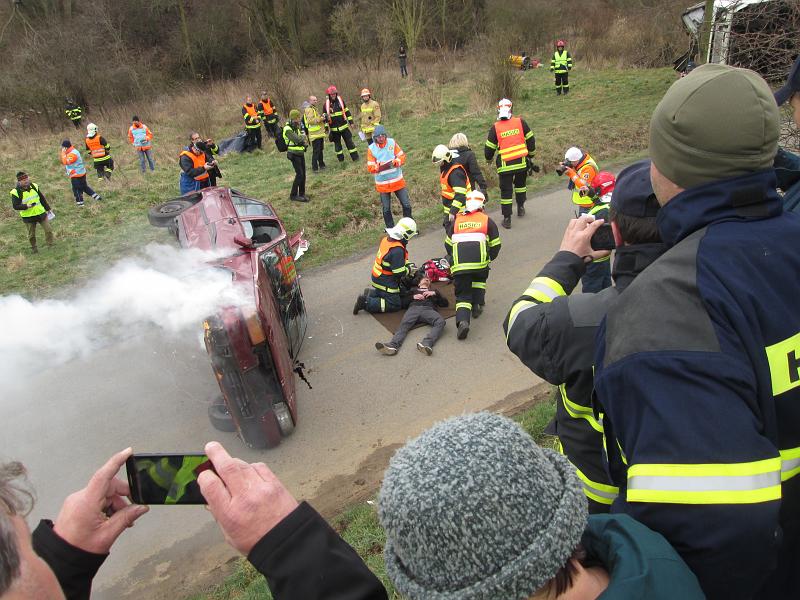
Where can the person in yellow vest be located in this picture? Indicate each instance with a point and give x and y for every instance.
(269, 115)
(252, 125)
(29, 201)
(561, 65)
(315, 128)
(296, 145)
(453, 181)
(370, 115)
(513, 141)
(100, 151)
(581, 170)
(390, 267)
(194, 168)
(472, 242)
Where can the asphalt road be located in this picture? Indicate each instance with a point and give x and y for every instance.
(151, 393)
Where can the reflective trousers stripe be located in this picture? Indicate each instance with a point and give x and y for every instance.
(521, 190)
(790, 463)
(481, 285)
(467, 305)
(506, 201)
(737, 483)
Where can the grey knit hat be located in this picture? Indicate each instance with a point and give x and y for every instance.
(474, 510)
(717, 123)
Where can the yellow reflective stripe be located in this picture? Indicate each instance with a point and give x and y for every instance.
(460, 190)
(599, 492)
(383, 288)
(784, 364)
(519, 190)
(467, 305)
(402, 269)
(621, 453)
(790, 463)
(512, 148)
(494, 242)
(529, 135)
(735, 483)
(491, 145)
(448, 241)
(479, 284)
(517, 308)
(548, 286)
(578, 411)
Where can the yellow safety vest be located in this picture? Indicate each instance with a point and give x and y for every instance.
(30, 196)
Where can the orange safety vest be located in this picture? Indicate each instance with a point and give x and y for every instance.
(95, 147)
(387, 244)
(470, 227)
(266, 107)
(510, 139)
(581, 176)
(197, 162)
(287, 269)
(448, 193)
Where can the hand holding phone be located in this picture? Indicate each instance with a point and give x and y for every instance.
(578, 237)
(603, 238)
(166, 478)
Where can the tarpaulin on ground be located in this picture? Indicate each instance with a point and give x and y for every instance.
(235, 144)
(392, 320)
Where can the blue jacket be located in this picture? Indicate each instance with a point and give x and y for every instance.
(698, 374)
(787, 170)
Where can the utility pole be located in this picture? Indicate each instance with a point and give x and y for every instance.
(705, 34)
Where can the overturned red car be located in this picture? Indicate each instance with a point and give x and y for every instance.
(254, 347)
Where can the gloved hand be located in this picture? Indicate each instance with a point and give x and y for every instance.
(585, 191)
(561, 169)
(412, 267)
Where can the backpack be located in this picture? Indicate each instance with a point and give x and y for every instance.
(436, 269)
(280, 143)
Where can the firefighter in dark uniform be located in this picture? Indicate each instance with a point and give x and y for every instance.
(453, 180)
(472, 242)
(74, 112)
(514, 143)
(339, 120)
(252, 125)
(561, 65)
(553, 333)
(390, 268)
(268, 115)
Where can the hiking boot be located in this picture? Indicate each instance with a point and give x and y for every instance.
(507, 222)
(520, 210)
(463, 330)
(424, 349)
(96, 196)
(303, 198)
(361, 304)
(79, 204)
(387, 349)
(477, 310)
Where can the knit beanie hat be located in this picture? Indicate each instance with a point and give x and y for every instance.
(474, 510)
(294, 114)
(717, 123)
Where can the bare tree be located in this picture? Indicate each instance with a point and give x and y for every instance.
(410, 18)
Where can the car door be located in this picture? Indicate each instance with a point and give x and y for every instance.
(279, 265)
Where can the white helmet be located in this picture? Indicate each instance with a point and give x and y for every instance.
(442, 153)
(504, 109)
(91, 129)
(405, 229)
(573, 155)
(475, 201)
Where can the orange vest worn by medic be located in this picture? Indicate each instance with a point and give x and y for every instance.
(197, 163)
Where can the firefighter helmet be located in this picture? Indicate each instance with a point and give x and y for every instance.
(332, 90)
(366, 92)
(441, 153)
(561, 43)
(91, 129)
(475, 201)
(573, 155)
(405, 229)
(603, 185)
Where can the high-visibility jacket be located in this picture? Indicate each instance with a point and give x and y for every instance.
(697, 373)
(473, 241)
(31, 197)
(291, 137)
(250, 116)
(198, 162)
(391, 179)
(73, 162)
(339, 117)
(391, 263)
(173, 480)
(561, 62)
(267, 111)
(455, 186)
(99, 148)
(513, 141)
(74, 113)
(370, 116)
(552, 333)
(140, 137)
(314, 123)
(579, 178)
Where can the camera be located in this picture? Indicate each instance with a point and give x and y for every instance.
(561, 169)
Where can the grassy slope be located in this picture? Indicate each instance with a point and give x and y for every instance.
(607, 113)
(359, 526)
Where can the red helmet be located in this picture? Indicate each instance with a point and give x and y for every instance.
(561, 43)
(332, 90)
(603, 183)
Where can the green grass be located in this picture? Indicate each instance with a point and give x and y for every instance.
(360, 528)
(607, 113)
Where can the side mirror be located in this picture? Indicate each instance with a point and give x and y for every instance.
(243, 241)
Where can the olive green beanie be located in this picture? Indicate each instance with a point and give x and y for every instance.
(294, 114)
(716, 123)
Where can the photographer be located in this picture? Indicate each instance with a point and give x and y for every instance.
(211, 150)
(195, 168)
(553, 333)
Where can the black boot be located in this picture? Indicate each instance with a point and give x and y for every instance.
(463, 330)
(507, 222)
(361, 304)
(520, 210)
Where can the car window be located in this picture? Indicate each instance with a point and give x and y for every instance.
(246, 207)
(262, 231)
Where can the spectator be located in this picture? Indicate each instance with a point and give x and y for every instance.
(787, 164)
(422, 309)
(63, 556)
(33, 207)
(553, 333)
(696, 367)
(211, 150)
(76, 171)
(460, 143)
(141, 137)
(296, 144)
(402, 56)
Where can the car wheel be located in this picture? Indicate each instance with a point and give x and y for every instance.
(163, 215)
(284, 417)
(220, 416)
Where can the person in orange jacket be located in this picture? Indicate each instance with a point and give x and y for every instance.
(384, 160)
(76, 171)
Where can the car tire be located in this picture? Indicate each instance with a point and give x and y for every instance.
(220, 416)
(284, 417)
(163, 215)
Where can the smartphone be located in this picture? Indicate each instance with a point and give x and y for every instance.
(166, 478)
(603, 238)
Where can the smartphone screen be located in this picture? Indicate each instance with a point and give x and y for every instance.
(166, 478)
(603, 238)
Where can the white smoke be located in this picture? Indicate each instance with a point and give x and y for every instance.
(167, 288)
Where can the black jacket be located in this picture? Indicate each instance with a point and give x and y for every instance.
(16, 203)
(474, 173)
(553, 335)
(492, 145)
(431, 301)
